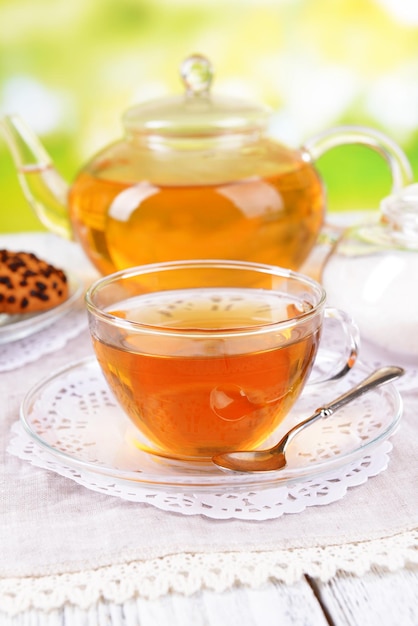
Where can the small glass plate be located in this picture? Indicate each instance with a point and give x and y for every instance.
(74, 416)
(21, 325)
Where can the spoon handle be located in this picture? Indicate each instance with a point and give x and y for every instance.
(376, 378)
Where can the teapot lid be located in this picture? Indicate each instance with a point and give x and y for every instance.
(197, 111)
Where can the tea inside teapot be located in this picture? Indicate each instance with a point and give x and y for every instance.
(272, 216)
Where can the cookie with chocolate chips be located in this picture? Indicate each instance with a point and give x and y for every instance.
(28, 284)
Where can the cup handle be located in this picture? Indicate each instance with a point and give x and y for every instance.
(338, 351)
(397, 160)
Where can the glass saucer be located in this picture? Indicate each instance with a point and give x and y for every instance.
(74, 417)
(19, 326)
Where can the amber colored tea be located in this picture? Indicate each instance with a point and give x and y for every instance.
(271, 219)
(205, 390)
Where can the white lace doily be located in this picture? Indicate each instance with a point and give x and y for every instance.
(55, 336)
(259, 505)
(74, 427)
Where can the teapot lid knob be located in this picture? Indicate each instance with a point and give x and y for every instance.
(195, 112)
(197, 74)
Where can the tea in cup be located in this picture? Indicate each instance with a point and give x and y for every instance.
(209, 356)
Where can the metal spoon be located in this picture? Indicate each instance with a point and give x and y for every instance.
(274, 458)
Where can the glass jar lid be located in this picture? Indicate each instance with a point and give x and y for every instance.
(197, 111)
(398, 224)
(400, 211)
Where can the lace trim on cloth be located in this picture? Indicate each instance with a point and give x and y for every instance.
(188, 573)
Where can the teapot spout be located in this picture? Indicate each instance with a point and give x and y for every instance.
(44, 188)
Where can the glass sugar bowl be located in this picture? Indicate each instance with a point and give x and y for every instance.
(372, 273)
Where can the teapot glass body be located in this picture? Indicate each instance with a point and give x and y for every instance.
(194, 176)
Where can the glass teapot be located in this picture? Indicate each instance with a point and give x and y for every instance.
(372, 274)
(194, 176)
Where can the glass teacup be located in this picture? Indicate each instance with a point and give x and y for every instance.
(209, 356)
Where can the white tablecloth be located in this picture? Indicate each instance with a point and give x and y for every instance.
(63, 543)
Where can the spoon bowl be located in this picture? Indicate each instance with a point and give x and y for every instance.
(275, 458)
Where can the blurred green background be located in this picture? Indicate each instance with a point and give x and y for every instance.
(71, 68)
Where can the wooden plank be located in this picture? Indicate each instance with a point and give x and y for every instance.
(379, 598)
(270, 605)
(273, 604)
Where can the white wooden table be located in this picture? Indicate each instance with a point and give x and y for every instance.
(376, 599)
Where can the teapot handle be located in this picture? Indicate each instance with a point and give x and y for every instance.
(397, 160)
